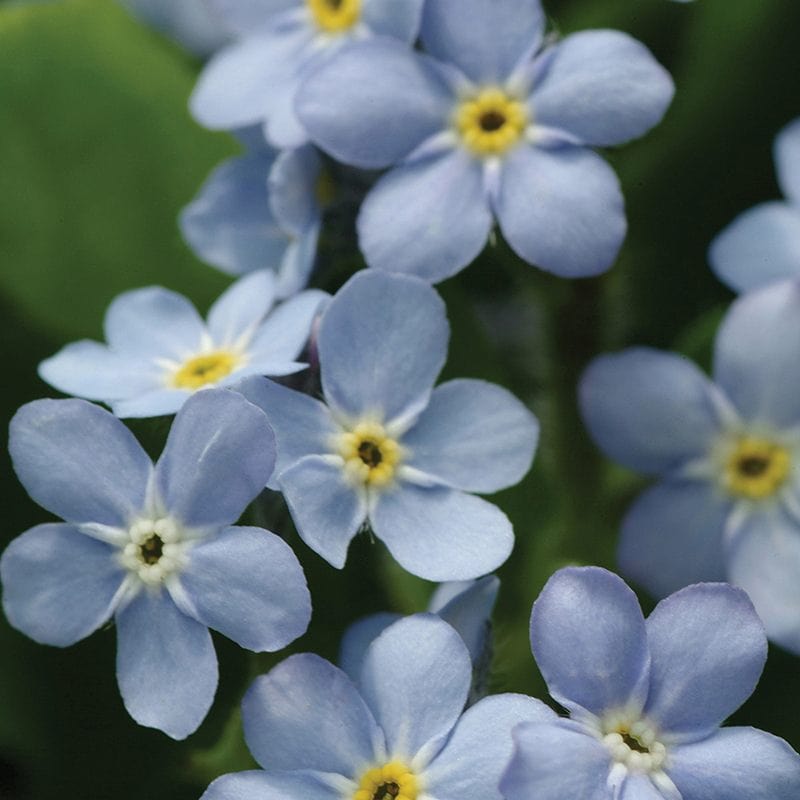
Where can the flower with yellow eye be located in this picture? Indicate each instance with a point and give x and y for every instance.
(727, 506)
(160, 351)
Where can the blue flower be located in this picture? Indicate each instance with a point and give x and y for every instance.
(255, 79)
(398, 732)
(260, 211)
(160, 351)
(727, 453)
(646, 698)
(493, 124)
(762, 245)
(153, 547)
(388, 449)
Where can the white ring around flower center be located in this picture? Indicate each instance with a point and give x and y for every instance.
(633, 743)
(156, 550)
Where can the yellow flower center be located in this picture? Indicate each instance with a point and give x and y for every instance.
(756, 468)
(335, 16)
(491, 123)
(392, 781)
(205, 369)
(370, 455)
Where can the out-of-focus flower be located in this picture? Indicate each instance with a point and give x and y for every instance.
(646, 697)
(160, 351)
(388, 449)
(153, 547)
(493, 124)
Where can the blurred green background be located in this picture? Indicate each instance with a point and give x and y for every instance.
(97, 156)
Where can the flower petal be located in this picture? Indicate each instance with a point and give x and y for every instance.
(373, 123)
(665, 523)
(248, 584)
(484, 40)
(428, 218)
(707, 648)
(307, 714)
(326, 511)
(482, 739)
(293, 188)
(415, 679)
(390, 18)
(441, 534)
(219, 455)
(474, 435)
(638, 786)
(736, 762)
(153, 323)
(561, 209)
(245, 16)
(603, 87)
(760, 246)
(650, 410)
(297, 263)
(552, 761)
(230, 224)
(755, 355)
(156, 403)
(59, 585)
(382, 342)
(357, 639)
(787, 160)
(91, 370)
(79, 462)
(166, 665)
(260, 785)
(588, 638)
(241, 307)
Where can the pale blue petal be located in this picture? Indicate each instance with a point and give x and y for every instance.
(764, 559)
(637, 786)
(561, 209)
(91, 370)
(442, 534)
(229, 224)
(357, 639)
(245, 16)
(285, 332)
(787, 160)
(707, 649)
(588, 638)
(219, 455)
(297, 263)
(166, 665)
(78, 461)
(428, 218)
(156, 403)
(59, 585)
(374, 122)
(248, 584)
(666, 522)
(755, 355)
(650, 410)
(553, 762)
(302, 425)
(473, 435)
(760, 246)
(293, 188)
(390, 18)
(326, 510)
(153, 322)
(415, 679)
(482, 739)
(241, 307)
(736, 763)
(484, 40)
(307, 714)
(283, 129)
(602, 87)
(259, 785)
(382, 342)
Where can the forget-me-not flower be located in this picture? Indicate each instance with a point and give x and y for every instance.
(396, 733)
(255, 79)
(646, 698)
(762, 245)
(727, 453)
(160, 351)
(154, 547)
(386, 447)
(493, 124)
